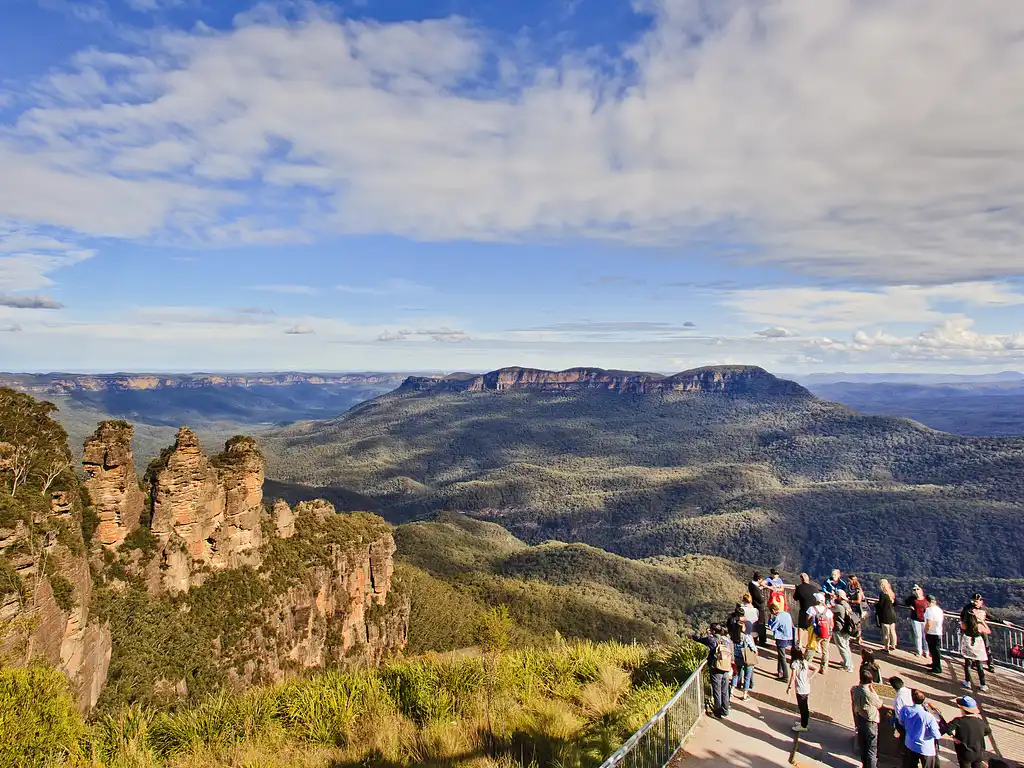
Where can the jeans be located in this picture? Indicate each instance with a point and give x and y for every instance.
(867, 737)
(744, 677)
(804, 706)
(782, 648)
(918, 636)
(720, 692)
(935, 651)
(843, 644)
(967, 671)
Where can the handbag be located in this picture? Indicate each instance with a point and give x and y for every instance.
(749, 656)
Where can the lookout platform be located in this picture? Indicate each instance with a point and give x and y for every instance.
(758, 731)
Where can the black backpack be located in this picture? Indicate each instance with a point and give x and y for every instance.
(851, 623)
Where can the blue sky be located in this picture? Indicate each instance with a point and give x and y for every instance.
(398, 185)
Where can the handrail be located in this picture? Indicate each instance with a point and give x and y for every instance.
(648, 748)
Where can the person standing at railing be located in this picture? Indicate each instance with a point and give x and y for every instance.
(804, 597)
(867, 706)
(784, 633)
(720, 661)
(846, 628)
(933, 618)
(856, 593)
(832, 586)
(977, 607)
(885, 612)
(972, 648)
(756, 591)
(918, 603)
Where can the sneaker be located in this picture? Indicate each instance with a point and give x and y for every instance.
(799, 728)
(984, 689)
(965, 684)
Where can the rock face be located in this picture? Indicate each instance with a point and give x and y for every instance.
(727, 380)
(41, 627)
(112, 483)
(207, 512)
(346, 608)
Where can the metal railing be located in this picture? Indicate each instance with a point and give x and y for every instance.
(661, 737)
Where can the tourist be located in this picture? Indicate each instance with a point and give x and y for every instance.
(750, 612)
(975, 615)
(922, 731)
(823, 627)
(777, 586)
(917, 603)
(969, 732)
(867, 662)
(903, 698)
(866, 715)
(746, 660)
(972, 649)
(782, 630)
(845, 623)
(832, 586)
(720, 659)
(756, 590)
(933, 618)
(885, 612)
(804, 598)
(801, 680)
(856, 593)
(774, 581)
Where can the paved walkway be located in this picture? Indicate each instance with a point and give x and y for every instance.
(758, 731)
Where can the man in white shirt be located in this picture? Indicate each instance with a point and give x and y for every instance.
(933, 618)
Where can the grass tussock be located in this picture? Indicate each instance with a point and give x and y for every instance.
(568, 705)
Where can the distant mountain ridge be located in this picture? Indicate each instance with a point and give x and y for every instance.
(68, 383)
(723, 379)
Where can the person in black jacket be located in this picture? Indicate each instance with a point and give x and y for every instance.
(804, 597)
(756, 590)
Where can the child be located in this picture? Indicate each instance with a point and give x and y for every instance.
(867, 662)
(801, 678)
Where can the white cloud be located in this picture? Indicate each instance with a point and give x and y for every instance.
(812, 310)
(443, 334)
(391, 287)
(776, 332)
(878, 140)
(299, 330)
(306, 290)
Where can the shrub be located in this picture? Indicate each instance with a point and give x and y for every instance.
(39, 724)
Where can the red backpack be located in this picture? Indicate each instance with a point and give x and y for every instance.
(822, 626)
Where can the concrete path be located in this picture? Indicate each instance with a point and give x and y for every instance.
(758, 732)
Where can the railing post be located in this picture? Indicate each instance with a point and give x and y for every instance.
(668, 739)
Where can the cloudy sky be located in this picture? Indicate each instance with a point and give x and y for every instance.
(808, 185)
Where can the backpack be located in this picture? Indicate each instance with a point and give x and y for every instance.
(822, 627)
(723, 657)
(1017, 652)
(851, 623)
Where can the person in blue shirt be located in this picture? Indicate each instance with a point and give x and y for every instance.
(774, 581)
(833, 586)
(922, 728)
(781, 626)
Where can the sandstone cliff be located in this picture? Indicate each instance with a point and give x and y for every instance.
(49, 618)
(206, 512)
(112, 483)
(727, 380)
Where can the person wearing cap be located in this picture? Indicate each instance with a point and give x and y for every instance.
(972, 644)
(821, 621)
(933, 618)
(922, 729)
(917, 603)
(843, 616)
(969, 732)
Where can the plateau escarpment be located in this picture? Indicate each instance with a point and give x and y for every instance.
(728, 461)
